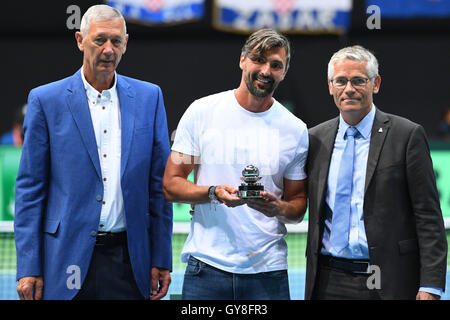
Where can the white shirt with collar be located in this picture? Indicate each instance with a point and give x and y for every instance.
(105, 114)
(357, 243)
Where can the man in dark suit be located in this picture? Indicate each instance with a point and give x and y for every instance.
(91, 221)
(375, 224)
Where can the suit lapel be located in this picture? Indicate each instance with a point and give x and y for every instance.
(329, 137)
(379, 131)
(127, 113)
(79, 107)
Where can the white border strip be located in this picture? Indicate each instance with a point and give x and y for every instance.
(6, 226)
(302, 227)
(184, 227)
(181, 227)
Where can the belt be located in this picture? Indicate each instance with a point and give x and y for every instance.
(111, 239)
(348, 265)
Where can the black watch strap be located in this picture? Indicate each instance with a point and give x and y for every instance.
(212, 193)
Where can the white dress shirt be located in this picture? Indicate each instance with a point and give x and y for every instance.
(105, 115)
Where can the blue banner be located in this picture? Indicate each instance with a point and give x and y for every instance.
(289, 16)
(412, 8)
(160, 11)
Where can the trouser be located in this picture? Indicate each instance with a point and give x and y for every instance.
(110, 276)
(338, 284)
(204, 282)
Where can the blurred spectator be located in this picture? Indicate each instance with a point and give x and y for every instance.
(444, 126)
(15, 136)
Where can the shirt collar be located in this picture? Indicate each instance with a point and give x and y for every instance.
(93, 94)
(364, 126)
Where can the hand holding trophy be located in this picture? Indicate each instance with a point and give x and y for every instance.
(254, 195)
(250, 188)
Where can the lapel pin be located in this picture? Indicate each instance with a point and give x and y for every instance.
(380, 130)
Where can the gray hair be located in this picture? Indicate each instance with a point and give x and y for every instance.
(355, 53)
(266, 39)
(100, 12)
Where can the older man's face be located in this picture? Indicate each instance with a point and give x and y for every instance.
(103, 46)
(353, 99)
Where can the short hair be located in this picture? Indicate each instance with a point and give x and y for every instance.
(355, 53)
(267, 39)
(100, 12)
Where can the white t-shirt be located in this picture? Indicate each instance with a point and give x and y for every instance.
(226, 138)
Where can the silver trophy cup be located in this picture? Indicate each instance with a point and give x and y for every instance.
(250, 188)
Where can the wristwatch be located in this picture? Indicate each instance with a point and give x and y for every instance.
(212, 195)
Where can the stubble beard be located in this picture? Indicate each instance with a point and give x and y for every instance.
(255, 90)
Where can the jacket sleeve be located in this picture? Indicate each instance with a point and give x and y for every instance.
(425, 202)
(31, 190)
(161, 215)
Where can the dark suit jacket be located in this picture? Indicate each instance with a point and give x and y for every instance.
(59, 186)
(402, 216)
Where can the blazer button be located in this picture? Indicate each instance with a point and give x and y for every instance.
(99, 197)
(93, 233)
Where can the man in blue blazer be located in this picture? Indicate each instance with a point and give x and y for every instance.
(91, 221)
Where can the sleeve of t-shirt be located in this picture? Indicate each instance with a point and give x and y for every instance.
(296, 169)
(187, 135)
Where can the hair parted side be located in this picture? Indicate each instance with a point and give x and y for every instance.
(266, 39)
(100, 12)
(355, 53)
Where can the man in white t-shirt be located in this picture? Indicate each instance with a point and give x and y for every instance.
(236, 247)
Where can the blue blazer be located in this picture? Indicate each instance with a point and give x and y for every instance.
(59, 186)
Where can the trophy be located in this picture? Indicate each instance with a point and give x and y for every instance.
(250, 188)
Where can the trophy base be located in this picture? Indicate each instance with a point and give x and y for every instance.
(250, 192)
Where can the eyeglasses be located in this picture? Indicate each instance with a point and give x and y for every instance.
(357, 82)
